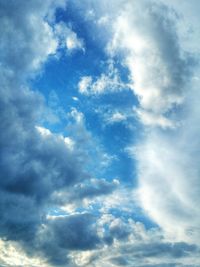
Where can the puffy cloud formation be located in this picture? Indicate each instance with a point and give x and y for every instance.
(109, 241)
(151, 36)
(159, 69)
(54, 212)
(27, 38)
(156, 40)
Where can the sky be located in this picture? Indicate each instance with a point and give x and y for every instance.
(99, 133)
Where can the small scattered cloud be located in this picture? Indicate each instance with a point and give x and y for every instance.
(109, 81)
(68, 38)
(117, 117)
(84, 84)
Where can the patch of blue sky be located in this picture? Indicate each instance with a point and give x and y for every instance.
(136, 215)
(59, 84)
(60, 78)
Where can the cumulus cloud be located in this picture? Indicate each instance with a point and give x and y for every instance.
(33, 39)
(158, 67)
(42, 172)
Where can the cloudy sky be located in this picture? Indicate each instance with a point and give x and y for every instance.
(99, 133)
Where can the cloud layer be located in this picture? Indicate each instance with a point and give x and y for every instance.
(55, 208)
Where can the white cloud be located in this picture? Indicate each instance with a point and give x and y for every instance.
(37, 164)
(77, 116)
(68, 38)
(43, 131)
(46, 133)
(153, 119)
(109, 81)
(132, 244)
(168, 184)
(84, 84)
(117, 117)
(12, 255)
(72, 42)
(75, 98)
(158, 67)
(151, 38)
(34, 39)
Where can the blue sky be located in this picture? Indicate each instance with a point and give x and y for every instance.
(99, 160)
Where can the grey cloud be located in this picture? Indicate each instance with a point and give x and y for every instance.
(69, 233)
(78, 230)
(120, 230)
(142, 247)
(162, 252)
(27, 37)
(151, 37)
(173, 250)
(168, 265)
(93, 188)
(146, 33)
(33, 166)
(119, 261)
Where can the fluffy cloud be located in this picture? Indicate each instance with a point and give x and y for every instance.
(27, 38)
(156, 40)
(152, 119)
(150, 37)
(36, 164)
(106, 240)
(109, 81)
(159, 69)
(43, 173)
(128, 243)
(68, 38)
